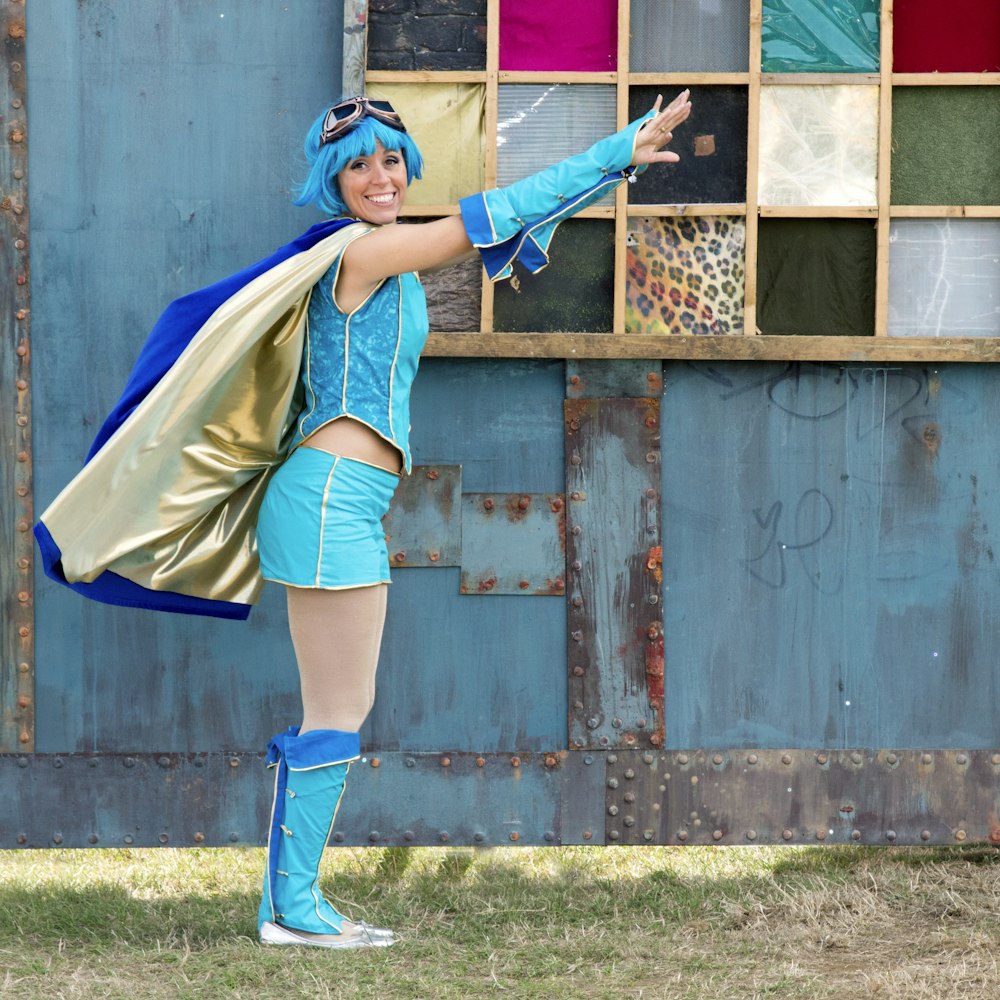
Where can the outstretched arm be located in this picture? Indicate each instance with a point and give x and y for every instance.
(396, 249)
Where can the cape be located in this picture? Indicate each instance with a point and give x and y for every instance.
(163, 514)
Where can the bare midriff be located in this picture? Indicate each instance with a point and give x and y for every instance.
(350, 438)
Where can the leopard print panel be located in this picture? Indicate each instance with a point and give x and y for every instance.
(685, 275)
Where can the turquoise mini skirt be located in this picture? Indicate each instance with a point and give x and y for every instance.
(320, 524)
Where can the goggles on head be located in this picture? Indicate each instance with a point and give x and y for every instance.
(343, 117)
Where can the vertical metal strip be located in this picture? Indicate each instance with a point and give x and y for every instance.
(614, 617)
(355, 45)
(17, 628)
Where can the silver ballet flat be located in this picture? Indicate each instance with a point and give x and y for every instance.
(367, 937)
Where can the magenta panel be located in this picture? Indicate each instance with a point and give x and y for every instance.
(559, 35)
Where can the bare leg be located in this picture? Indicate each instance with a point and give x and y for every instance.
(336, 634)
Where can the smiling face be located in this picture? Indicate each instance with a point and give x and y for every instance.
(374, 187)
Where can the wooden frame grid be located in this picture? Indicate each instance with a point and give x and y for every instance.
(752, 343)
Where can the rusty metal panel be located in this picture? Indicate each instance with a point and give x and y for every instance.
(614, 620)
(424, 523)
(829, 574)
(726, 796)
(216, 799)
(513, 543)
(583, 807)
(17, 639)
(589, 378)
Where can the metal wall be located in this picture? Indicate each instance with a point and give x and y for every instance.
(632, 603)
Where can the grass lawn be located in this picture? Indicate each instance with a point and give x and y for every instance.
(556, 923)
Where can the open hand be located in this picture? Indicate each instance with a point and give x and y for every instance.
(658, 131)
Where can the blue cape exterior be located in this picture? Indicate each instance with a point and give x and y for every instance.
(174, 330)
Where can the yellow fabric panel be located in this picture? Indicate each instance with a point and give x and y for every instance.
(446, 122)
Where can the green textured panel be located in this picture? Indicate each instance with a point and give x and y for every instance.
(945, 142)
(817, 36)
(816, 276)
(573, 294)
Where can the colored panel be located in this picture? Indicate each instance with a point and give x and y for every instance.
(613, 550)
(599, 378)
(965, 38)
(944, 142)
(573, 294)
(828, 574)
(708, 36)
(712, 145)
(424, 523)
(818, 145)
(426, 34)
(446, 122)
(944, 278)
(816, 276)
(454, 297)
(513, 543)
(803, 797)
(685, 275)
(538, 125)
(799, 36)
(559, 35)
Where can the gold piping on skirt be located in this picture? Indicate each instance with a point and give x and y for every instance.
(170, 502)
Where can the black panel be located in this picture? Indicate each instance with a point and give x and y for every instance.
(427, 34)
(712, 145)
(574, 294)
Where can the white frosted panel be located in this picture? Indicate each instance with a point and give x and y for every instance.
(944, 278)
(818, 145)
(538, 125)
(698, 35)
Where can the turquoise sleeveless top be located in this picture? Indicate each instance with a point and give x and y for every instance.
(361, 364)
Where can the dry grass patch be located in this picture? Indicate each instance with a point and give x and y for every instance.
(558, 923)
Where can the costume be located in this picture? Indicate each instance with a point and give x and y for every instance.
(191, 450)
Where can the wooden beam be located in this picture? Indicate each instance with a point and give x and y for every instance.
(945, 211)
(490, 128)
(707, 208)
(946, 79)
(426, 76)
(693, 348)
(819, 211)
(818, 79)
(620, 283)
(687, 79)
(753, 145)
(536, 76)
(884, 172)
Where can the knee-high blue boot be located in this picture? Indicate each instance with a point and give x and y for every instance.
(308, 785)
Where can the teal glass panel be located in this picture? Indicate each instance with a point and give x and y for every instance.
(817, 36)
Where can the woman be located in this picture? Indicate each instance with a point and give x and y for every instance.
(308, 356)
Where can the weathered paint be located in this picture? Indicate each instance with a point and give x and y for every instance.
(587, 378)
(862, 796)
(177, 800)
(514, 543)
(17, 627)
(424, 523)
(613, 610)
(828, 555)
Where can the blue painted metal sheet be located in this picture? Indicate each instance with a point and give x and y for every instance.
(830, 577)
(514, 543)
(424, 523)
(613, 545)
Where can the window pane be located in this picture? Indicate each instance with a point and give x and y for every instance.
(944, 278)
(573, 294)
(559, 35)
(701, 35)
(446, 35)
(712, 145)
(818, 145)
(799, 36)
(965, 37)
(816, 276)
(538, 125)
(446, 122)
(945, 142)
(685, 275)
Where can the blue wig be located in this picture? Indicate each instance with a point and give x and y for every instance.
(325, 162)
